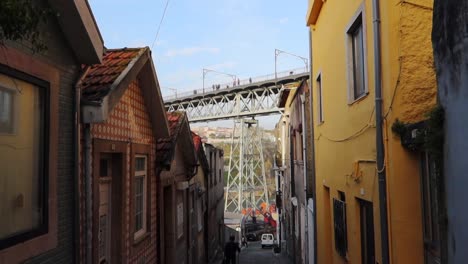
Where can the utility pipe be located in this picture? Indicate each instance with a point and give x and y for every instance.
(304, 160)
(76, 158)
(379, 134)
(88, 193)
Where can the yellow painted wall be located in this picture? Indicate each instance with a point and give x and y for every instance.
(347, 134)
(408, 49)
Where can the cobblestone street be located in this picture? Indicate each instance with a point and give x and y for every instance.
(254, 254)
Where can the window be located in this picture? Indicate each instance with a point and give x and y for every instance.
(319, 99)
(6, 110)
(356, 59)
(140, 195)
(339, 221)
(23, 167)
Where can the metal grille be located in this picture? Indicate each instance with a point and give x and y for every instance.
(339, 219)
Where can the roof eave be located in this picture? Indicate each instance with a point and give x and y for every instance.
(80, 29)
(313, 12)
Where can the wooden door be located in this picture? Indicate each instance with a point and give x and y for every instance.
(105, 206)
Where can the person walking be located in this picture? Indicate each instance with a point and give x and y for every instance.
(244, 242)
(230, 251)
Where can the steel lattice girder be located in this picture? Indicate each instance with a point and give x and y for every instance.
(259, 101)
(246, 185)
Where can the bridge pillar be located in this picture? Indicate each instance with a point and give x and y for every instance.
(246, 185)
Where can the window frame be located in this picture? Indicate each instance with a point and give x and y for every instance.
(318, 85)
(13, 108)
(137, 234)
(357, 21)
(43, 162)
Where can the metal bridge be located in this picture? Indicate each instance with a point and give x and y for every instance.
(246, 186)
(250, 97)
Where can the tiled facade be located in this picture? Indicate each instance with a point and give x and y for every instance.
(129, 123)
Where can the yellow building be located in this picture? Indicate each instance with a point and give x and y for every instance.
(344, 84)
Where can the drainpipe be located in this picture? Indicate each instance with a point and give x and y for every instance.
(304, 160)
(88, 193)
(76, 157)
(379, 134)
(312, 146)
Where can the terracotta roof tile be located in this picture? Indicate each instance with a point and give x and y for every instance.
(197, 141)
(96, 83)
(165, 146)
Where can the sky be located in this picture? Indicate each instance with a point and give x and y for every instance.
(237, 37)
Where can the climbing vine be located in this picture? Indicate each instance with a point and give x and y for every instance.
(428, 136)
(20, 20)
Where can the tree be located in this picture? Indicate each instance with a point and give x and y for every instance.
(20, 20)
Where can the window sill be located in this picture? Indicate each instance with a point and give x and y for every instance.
(140, 238)
(362, 97)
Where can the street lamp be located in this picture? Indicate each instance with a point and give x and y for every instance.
(278, 52)
(206, 71)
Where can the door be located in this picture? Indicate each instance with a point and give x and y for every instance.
(367, 232)
(105, 205)
(430, 206)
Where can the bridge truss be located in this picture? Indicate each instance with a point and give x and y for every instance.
(246, 186)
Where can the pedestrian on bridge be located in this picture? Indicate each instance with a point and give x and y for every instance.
(230, 251)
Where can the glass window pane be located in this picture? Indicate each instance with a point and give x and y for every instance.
(358, 61)
(140, 164)
(6, 110)
(21, 157)
(139, 202)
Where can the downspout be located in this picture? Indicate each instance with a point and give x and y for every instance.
(379, 134)
(312, 146)
(304, 160)
(88, 193)
(293, 190)
(76, 158)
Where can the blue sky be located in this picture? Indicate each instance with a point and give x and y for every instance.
(234, 36)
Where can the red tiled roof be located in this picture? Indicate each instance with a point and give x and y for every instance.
(97, 81)
(165, 146)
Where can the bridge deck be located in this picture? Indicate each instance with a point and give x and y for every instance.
(262, 81)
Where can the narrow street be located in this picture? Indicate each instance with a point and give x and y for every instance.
(255, 254)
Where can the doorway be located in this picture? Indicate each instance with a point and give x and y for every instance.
(168, 232)
(109, 209)
(367, 232)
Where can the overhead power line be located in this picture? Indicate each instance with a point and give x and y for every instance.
(160, 23)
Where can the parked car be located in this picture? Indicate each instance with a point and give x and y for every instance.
(251, 237)
(268, 240)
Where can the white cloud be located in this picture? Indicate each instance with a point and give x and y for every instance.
(283, 20)
(190, 51)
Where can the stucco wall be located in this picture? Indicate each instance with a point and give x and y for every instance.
(451, 56)
(409, 89)
(345, 144)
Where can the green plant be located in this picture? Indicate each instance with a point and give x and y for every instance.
(20, 20)
(399, 127)
(434, 136)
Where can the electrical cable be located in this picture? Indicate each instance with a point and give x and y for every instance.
(160, 23)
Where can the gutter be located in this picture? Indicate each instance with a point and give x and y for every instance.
(381, 170)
